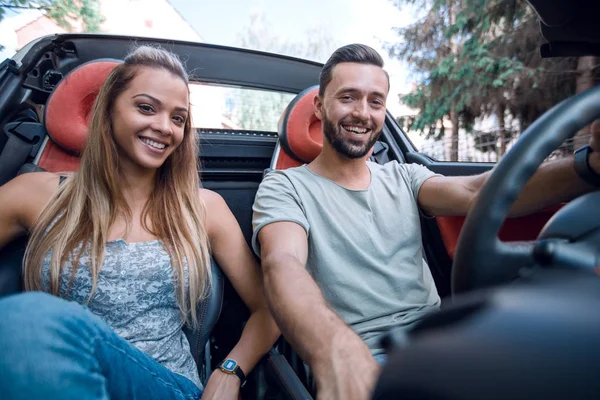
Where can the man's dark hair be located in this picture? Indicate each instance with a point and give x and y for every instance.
(355, 53)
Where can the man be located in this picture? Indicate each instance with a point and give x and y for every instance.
(340, 237)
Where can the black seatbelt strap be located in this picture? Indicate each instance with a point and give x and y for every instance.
(380, 153)
(24, 140)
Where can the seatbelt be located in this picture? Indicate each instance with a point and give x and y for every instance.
(380, 153)
(24, 140)
(266, 171)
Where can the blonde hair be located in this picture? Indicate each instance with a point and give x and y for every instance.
(86, 205)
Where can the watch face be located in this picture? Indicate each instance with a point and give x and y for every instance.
(229, 365)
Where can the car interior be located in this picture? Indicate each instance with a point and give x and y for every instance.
(545, 322)
(45, 128)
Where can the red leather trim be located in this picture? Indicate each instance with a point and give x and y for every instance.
(69, 108)
(285, 161)
(513, 229)
(303, 128)
(55, 159)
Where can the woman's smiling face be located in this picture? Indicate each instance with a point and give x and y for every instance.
(148, 118)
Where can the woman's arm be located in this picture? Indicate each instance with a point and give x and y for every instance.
(233, 255)
(21, 200)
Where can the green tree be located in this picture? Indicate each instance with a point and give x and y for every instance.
(63, 12)
(476, 58)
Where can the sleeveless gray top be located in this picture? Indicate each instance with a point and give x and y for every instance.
(135, 295)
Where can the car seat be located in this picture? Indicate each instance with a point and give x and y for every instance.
(67, 116)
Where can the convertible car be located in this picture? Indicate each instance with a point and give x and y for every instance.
(522, 295)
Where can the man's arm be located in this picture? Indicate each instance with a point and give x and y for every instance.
(553, 183)
(342, 363)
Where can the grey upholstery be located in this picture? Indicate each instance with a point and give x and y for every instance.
(208, 314)
(11, 258)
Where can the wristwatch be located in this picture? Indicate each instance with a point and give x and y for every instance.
(230, 366)
(582, 166)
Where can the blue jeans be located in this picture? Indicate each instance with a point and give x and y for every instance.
(381, 358)
(55, 349)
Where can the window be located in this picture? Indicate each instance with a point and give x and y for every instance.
(236, 108)
(484, 143)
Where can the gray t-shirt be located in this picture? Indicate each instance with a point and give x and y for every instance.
(364, 246)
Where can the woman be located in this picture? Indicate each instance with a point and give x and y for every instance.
(129, 236)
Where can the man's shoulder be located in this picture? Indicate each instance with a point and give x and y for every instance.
(293, 171)
(396, 168)
(287, 176)
(390, 170)
(282, 182)
(400, 175)
(393, 165)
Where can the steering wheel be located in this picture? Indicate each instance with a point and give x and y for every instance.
(570, 238)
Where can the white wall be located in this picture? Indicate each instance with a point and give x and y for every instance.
(150, 18)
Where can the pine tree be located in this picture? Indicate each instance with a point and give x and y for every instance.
(476, 58)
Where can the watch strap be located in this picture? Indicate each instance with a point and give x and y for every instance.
(240, 374)
(582, 166)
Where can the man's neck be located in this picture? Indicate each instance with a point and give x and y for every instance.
(351, 173)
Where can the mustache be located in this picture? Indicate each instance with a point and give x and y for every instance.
(358, 122)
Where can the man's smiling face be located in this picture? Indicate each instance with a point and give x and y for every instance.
(352, 108)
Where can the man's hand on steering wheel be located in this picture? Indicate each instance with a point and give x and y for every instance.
(595, 146)
(570, 239)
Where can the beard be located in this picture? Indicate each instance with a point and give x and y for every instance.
(348, 147)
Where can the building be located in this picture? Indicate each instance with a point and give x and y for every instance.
(150, 18)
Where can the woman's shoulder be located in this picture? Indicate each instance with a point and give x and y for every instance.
(27, 194)
(218, 214)
(211, 199)
(46, 179)
(33, 185)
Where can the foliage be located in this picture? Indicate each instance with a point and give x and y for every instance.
(256, 110)
(63, 12)
(478, 58)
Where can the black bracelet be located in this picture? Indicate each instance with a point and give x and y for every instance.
(582, 166)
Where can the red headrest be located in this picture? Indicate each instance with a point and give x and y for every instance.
(69, 108)
(300, 130)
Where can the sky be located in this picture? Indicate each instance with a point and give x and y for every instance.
(345, 21)
(219, 21)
